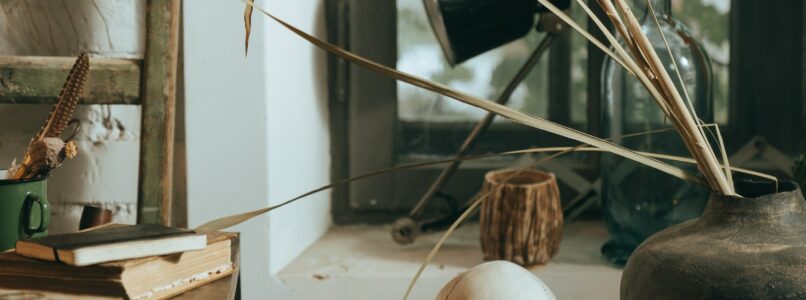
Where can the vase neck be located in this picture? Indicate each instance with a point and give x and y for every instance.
(787, 204)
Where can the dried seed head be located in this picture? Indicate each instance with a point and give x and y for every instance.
(71, 150)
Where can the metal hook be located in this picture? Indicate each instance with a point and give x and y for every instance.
(75, 131)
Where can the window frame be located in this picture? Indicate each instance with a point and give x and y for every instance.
(364, 122)
(359, 97)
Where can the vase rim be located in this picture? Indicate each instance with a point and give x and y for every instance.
(522, 178)
(754, 189)
(760, 204)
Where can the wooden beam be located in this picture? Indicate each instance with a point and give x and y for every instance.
(559, 89)
(767, 74)
(337, 25)
(596, 60)
(38, 80)
(159, 97)
(803, 87)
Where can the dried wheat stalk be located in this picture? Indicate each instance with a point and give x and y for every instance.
(504, 111)
(509, 113)
(644, 62)
(702, 129)
(229, 221)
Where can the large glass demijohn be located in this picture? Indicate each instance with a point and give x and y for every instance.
(638, 201)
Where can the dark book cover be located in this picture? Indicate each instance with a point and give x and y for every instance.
(114, 234)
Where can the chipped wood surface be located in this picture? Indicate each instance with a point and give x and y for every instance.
(521, 220)
(38, 80)
(159, 97)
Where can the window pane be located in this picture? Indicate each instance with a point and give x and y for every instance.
(710, 21)
(483, 76)
(430, 124)
(579, 70)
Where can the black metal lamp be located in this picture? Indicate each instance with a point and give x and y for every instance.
(466, 28)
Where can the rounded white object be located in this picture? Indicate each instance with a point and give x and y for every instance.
(499, 280)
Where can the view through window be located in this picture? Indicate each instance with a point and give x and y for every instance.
(428, 114)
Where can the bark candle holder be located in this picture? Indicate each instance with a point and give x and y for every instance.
(522, 218)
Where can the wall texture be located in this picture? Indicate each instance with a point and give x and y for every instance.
(257, 125)
(298, 128)
(112, 28)
(276, 99)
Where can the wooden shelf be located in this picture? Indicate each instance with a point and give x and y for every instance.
(38, 80)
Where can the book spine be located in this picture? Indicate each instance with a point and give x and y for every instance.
(63, 285)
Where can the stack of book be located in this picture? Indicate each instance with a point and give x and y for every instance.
(119, 261)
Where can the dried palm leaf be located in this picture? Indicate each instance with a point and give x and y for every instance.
(685, 121)
(644, 64)
(247, 22)
(509, 113)
(658, 82)
(458, 95)
(720, 141)
(229, 221)
(476, 202)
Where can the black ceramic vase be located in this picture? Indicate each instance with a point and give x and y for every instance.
(751, 247)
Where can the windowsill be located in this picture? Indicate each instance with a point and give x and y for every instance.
(362, 262)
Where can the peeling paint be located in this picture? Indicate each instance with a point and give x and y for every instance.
(108, 123)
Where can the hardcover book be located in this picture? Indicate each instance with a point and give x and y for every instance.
(155, 277)
(111, 243)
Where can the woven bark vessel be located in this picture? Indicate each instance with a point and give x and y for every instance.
(741, 248)
(522, 218)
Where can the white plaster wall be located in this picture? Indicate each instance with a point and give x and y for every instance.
(105, 172)
(257, 126)
(277, 96)
(112, 28)
(225, 114)
(299, 137)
